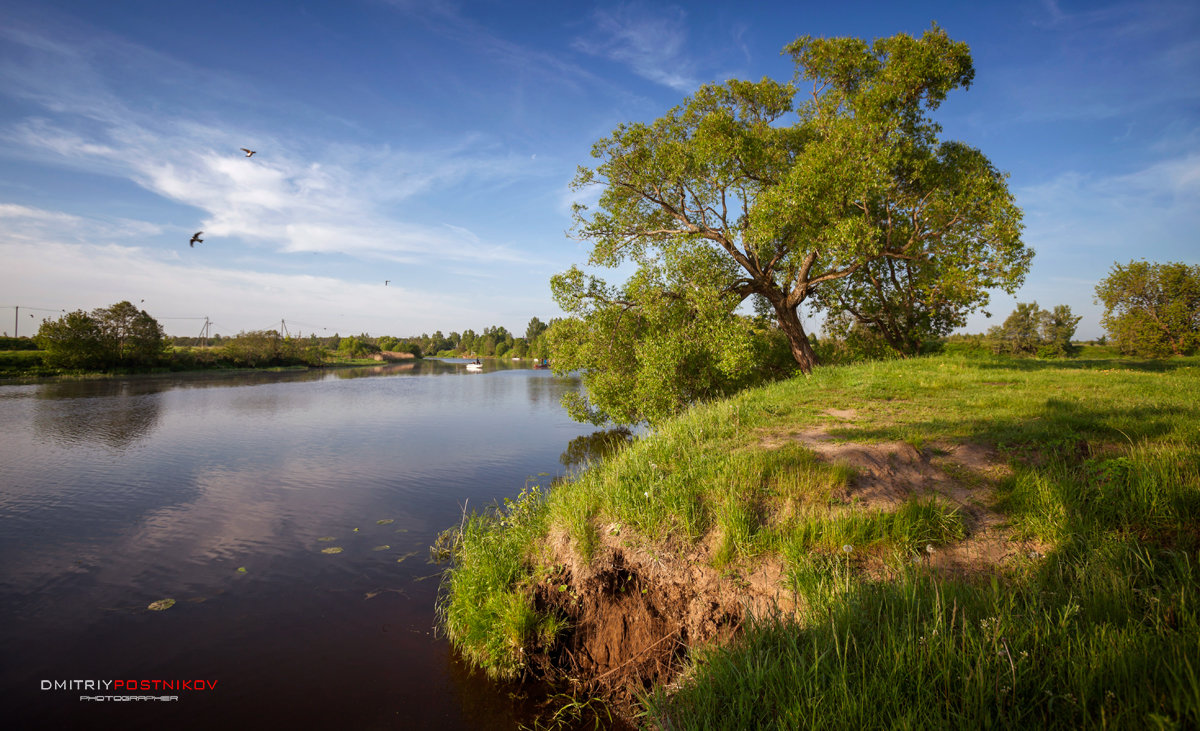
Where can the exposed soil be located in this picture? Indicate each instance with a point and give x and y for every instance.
(634, 611)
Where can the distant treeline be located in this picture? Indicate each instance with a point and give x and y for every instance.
(122, 338)
(494, 341)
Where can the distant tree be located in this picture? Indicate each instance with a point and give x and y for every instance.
(74, 341)
(134, 337)
(253, 349)
(357, 347)
(1018, 334)
(119, 335)
(534, 329)
(1030, 330)
(1057, 328)
(1152, 310)
(18, 343)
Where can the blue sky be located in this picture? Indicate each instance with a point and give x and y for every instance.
(431, 144)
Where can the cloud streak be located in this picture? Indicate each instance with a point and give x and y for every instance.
(301, 196)
(651, 43)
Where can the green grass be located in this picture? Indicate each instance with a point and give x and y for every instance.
(491, 619)
(1051, 651)
(17, 363)
(1104, 469)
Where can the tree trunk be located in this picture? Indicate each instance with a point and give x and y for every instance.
(789, 322)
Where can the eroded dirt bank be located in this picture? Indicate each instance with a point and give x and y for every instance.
(633, 610)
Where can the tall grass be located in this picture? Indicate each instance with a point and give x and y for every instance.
(484, 607)
(1113, 644)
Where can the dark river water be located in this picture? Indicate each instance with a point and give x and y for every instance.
(222, 493)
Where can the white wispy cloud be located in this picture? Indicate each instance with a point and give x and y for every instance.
(651, 42)
(29, 224)
(66, 275)
(305, 195)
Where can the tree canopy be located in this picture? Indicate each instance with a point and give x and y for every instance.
(119, 335)
(843, 198)
(1152, 310)
(1030, 330)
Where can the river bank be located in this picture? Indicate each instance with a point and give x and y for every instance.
(945, 541)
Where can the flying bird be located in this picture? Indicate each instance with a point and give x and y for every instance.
(196, 239)
(385, 282)
(249, 152)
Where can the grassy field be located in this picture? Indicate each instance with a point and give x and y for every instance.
(1085, 617)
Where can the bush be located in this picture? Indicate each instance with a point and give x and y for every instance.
(357, 347)
(266, 348)
(7, 343)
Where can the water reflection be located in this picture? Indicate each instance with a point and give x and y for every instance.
(391, 369)
(128, 412)
(548, 389)
(120, 492)
(595, 446)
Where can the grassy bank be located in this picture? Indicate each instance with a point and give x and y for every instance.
(1052, 584)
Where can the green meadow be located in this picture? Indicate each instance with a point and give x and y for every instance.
(1086, 617)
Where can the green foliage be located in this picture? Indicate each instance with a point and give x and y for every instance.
(357, 347)
(855, 207)
(116, 336)
(21, 343)
(267, 348)
(73, 341)
(649, 362)
(22, 363)
(1056, 329)
(136, 337)
(1030, 330)
(1152, 310)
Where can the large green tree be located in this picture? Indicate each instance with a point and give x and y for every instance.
(118, 335)
(1152, 310)
(135, 338)
(723, 200)
(73, 341)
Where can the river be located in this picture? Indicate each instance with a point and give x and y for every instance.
(228, 494)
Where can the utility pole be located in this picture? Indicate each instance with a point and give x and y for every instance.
(17, 322)
(283, 323)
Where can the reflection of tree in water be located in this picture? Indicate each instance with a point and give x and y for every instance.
(379, 370)
(539, 388)
(595, 446)
(114, 413)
